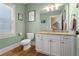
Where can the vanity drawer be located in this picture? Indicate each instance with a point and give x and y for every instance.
(68, 37)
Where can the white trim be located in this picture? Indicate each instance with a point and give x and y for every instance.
(6, 36)
(13, 20)
(6, 49)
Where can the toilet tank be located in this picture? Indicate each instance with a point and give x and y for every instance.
(30, 35)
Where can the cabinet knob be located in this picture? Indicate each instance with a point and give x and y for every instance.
(51, 41)
(62, 42)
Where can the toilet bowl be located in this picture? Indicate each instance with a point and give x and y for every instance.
(26, 43)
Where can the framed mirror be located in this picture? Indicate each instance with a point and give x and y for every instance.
(58, 23)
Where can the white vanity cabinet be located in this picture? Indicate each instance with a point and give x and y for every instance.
(58, 45)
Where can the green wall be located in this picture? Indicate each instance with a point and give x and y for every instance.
(20, 27)
(35, 25)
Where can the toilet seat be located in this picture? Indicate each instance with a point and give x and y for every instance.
(25, 41)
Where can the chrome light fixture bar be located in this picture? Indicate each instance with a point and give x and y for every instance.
(52, 7)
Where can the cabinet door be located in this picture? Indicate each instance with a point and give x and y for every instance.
(68, 46)
(46, 44)
(39, 42)
(55, 45)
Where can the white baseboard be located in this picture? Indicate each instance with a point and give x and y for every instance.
(6, 49)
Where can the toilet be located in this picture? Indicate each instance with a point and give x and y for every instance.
(26, 43)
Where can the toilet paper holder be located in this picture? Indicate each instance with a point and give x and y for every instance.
(19, 34)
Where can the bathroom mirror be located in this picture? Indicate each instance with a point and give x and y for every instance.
(55, 20)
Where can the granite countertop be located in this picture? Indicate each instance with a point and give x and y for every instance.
(56, 33)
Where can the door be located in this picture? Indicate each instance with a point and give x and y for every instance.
(39, 42)
(55, 45)
(77, 29)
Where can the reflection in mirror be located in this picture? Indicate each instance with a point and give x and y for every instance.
(54, 23)
(53, 17)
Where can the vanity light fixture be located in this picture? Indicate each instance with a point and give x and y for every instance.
(52, 7)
